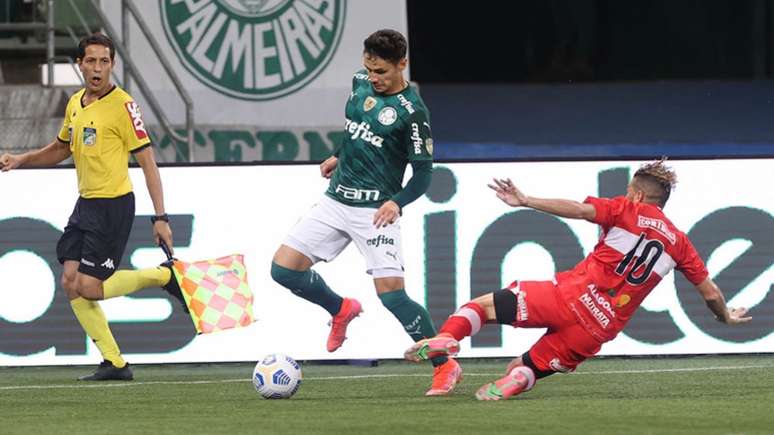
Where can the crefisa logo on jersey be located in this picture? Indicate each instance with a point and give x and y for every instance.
(380, 240)
(415, 138)
(254, 49)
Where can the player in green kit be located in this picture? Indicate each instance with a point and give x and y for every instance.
(387, 127)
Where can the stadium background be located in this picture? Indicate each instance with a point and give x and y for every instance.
(529, 93)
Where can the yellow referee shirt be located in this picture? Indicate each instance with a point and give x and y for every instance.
(101, 136)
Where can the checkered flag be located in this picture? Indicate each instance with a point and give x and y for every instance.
(216, 292)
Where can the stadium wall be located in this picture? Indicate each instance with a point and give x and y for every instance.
(538, 122)
(269, 64)
(459, 241)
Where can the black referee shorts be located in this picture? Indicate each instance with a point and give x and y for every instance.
(96, 234)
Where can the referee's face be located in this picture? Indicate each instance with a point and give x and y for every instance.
(96, 67)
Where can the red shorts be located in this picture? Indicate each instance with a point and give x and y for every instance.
(566, 343)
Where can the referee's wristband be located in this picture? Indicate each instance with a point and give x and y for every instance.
(164, 217)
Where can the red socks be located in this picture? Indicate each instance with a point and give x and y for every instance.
(465, 322)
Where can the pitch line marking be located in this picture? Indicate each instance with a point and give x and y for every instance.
(380, 376)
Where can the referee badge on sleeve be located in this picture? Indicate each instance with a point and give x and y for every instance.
(89, 136)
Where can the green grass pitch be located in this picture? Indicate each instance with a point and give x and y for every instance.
(696, 395)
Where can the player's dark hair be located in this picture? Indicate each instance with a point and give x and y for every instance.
(387, 44)
(657, 181)
(96, 39)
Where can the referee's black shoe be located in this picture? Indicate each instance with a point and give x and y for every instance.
(106, 371)
(172, 287)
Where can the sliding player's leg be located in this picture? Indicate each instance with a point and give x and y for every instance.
(566, 344)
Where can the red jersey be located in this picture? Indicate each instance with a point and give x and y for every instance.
(637, 248)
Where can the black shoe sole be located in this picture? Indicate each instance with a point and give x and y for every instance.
(110, 374)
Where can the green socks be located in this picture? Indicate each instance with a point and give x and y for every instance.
(414, 317)
(310, 286)
(307, 285)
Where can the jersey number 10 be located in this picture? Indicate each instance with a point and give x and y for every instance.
(634, 277)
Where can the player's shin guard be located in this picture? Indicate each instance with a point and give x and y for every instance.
(465, 322)
(414, 317)
(307, 285)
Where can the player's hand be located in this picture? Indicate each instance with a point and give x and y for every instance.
(9, 161)
(508, 192)
(736, 316)
(328, 166)
(387, 214)
(162, 231)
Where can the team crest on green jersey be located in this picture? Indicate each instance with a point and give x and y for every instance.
(369, 103)
(388, 116)
(254, 49)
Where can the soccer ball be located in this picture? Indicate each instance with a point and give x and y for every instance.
(277, 376)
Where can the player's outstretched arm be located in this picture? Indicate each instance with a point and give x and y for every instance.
(161, 229)
(49, 155)
(510, 194)
(717, 304)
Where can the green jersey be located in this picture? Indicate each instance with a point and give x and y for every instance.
(383, 133)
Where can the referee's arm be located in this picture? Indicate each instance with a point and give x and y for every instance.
(147, 162)
(51, 154)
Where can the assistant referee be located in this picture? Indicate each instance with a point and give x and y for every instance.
(102, 127)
